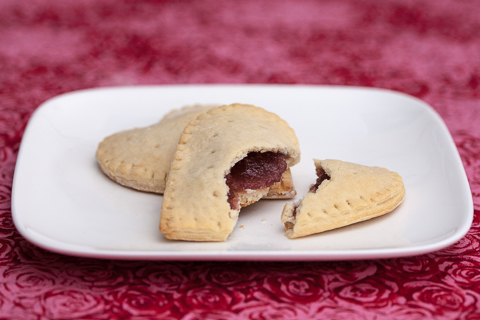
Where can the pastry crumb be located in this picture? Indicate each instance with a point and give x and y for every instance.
(242, 227)
(263, 219)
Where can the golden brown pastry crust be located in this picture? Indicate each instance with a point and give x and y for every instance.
(283, 189)
(140, 158)
(195, 205)
(353, 193)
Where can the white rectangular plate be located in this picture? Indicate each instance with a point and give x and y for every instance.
(62, 202)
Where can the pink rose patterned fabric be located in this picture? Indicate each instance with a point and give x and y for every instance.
(426, 48)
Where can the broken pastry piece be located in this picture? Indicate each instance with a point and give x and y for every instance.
(345, 193)
(227, 158)
(140, 158)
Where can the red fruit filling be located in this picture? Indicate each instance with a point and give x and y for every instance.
(257, 170)
(322, 175)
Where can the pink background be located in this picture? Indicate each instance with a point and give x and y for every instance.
(428, 49)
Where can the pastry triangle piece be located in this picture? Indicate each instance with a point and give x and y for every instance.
(227, 158)
(345, 193)
(140, 158)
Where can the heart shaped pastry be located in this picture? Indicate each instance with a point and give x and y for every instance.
(345, 193)
(140, 158)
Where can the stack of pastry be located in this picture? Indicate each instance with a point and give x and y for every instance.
(210, 161)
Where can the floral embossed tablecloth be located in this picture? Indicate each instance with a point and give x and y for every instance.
(428, 49)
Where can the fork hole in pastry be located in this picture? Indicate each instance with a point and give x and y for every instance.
(258, 170)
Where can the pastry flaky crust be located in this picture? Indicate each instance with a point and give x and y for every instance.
(353, 193)
(140, 158)
(195, 205)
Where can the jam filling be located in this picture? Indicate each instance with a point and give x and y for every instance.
(322, 175)
(257, 170)
(294, 213)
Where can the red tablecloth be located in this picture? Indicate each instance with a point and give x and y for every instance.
(429, 49)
